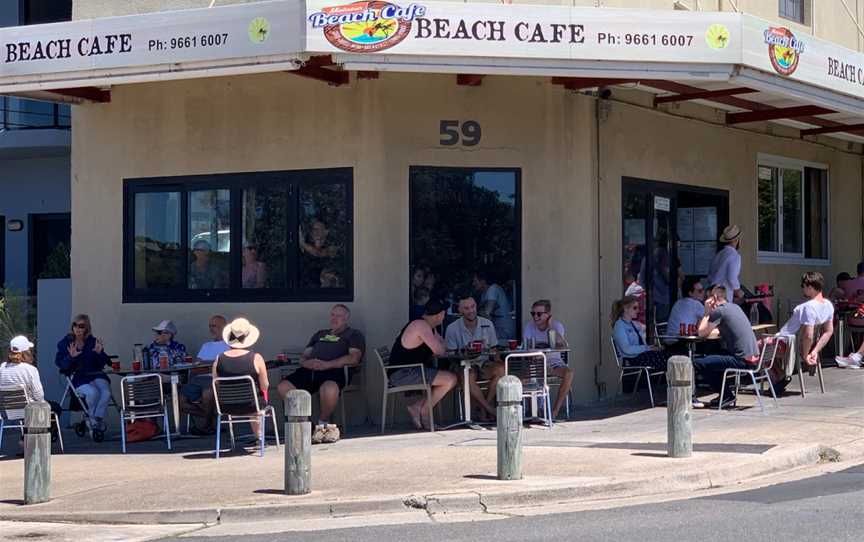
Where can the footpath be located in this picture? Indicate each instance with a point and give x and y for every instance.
(610, 452)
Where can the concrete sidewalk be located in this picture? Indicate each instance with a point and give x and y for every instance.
(611, 452)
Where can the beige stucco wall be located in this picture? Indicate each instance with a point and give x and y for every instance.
(831, 20)
(378, 127)
(646, 144)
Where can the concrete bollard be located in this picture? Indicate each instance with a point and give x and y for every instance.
(37, 452)
(298, 442)
(679, 382)
(509, 396)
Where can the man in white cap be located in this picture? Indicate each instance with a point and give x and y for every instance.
(726, 265)
(164, 345)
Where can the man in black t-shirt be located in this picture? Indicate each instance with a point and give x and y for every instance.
(322, 368)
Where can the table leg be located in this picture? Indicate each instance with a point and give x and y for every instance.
(466, 374)
(841, 335)
(175, 402)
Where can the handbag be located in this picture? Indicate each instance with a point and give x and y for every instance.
(141, 430)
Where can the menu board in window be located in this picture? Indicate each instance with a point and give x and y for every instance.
(697, 231)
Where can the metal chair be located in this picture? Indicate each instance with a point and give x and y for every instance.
(758, 374)
(141, 397)
(530, 368)
(13, 401)
(630, 370)
(383, 355)
(354, 386)
(556, 381)
(231, 392)
(799, 361)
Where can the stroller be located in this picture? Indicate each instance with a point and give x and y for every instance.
(78, 403)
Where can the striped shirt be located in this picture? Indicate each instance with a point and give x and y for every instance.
(17, 374)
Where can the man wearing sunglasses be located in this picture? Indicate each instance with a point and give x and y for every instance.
(537, 331)
(164, 345)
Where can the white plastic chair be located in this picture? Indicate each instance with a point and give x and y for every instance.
(758, 374)
(13, 401)
(231, 391)
(638, 370)
(383, 355)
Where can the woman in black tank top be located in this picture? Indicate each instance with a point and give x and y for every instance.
(241, 335)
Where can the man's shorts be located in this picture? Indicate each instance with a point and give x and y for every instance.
(311, 381)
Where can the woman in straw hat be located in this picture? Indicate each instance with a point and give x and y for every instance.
(240, 360)
(726, 265)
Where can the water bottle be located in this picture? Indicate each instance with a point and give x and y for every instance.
(754, 313)
(138, 353)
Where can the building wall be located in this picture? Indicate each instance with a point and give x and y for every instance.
(830, 20)
(638, 142)
(28, 186)
(378, 127)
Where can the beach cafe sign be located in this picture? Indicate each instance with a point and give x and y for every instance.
(520, 31)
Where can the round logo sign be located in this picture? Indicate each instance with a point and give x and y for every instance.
(380, 27)
(717, 36)
(259, 29)
(784, 49)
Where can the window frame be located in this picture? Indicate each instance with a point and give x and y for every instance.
(781, 257)
(23, 10)
(236, 183)
(785, 15)
(517, 172)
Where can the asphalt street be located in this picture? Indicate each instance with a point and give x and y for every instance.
(827, 507)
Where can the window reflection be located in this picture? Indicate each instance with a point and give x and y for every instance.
(158, 259)
(264, 237)
(323, 236)
(210, 239)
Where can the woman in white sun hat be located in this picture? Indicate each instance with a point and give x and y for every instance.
(241, 360)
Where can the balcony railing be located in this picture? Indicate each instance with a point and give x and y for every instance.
(23, 114)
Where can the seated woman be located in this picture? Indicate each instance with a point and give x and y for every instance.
(241, 335)
(418, 342)
(83, 356)
(629, 336)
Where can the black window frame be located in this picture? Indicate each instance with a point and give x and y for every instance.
(517, 172)
(294, 180)
(24, 11)
(2, 252)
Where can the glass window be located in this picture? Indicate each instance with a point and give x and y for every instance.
(265, 237)
(45, 11)
(475, 251)
(323, 236)
(182, 246)
(209, 239)
(793, 211)
(792, 10)
(158, 258)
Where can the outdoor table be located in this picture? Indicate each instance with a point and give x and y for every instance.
(472, 358)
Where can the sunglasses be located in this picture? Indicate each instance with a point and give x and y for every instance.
(80, 326)
(537, 314)
(162, 332)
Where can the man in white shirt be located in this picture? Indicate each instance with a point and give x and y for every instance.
(816, 312)
(537, 331)
(461, 333)
(687, 310)
(726, 266)
(211, 349)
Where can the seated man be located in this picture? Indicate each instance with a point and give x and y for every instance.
(463, 332)
(687, 311)
(537, 331)
(815, 313)
(738, 340)
(196, 397)
(321, 368)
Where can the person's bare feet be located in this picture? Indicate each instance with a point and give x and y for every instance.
(414, 413)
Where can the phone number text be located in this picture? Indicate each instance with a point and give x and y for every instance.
(663, 40)
(188, 42)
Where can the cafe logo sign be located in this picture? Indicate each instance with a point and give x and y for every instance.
(366, 27)
(784, 49)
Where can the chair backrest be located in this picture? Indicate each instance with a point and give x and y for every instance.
(235, 391)
(530, 366)
(770, 347)
(382, 353)
(13, 400)
(616, 353)
(141, 391)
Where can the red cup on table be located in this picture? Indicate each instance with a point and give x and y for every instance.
(682, 330)
(512, 344)
(477, 346)
(691, 329)
(188, 359)
(163, 362)
(115, 365)
(136, 366)
(282, 357)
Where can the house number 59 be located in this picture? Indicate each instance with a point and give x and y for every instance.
(453, 132)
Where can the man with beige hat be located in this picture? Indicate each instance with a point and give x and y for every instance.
(726, 265)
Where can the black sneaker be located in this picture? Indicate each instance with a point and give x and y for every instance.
(728, 400)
